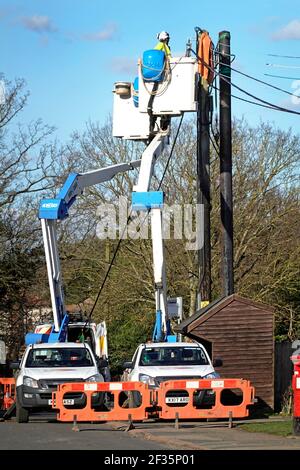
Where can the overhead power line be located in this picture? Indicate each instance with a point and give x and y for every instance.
(284, 66)
(284, 56)
(271, 105)
(259, 81)
(248, 101)
(254, 102)
(280, 76)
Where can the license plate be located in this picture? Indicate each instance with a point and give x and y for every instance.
(66, 401)
(177, 399)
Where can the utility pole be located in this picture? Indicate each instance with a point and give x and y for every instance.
(203, 187)
(226, 163)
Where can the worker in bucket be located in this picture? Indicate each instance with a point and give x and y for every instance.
(163, 43)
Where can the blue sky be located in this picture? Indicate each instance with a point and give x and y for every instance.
(72, 51)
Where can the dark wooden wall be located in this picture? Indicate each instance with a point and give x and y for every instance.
(242, 335)
(283, 372)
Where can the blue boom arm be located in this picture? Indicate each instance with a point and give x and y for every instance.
(55, 209)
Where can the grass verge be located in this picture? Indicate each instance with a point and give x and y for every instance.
(283, 428)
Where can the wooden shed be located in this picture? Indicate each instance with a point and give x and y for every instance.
(241, 333)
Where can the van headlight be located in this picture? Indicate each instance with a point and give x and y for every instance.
(30, 382)
(212, 375)
(146, 379)
(95, 378)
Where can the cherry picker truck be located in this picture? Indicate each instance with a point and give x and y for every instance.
(170, 93)
(165, 88)
(53, 210)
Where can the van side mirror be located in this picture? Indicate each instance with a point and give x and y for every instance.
(218, 362)
(101, 363)
(15, 365)
(128, 365)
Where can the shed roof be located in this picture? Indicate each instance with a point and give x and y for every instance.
(203, 314)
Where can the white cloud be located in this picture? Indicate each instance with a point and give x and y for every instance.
(38, 24)
(296, 97)
(106, 34)
(124, 65)
(292, 103)
(263, 26)
(290, 31)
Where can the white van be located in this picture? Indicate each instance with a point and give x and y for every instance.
(94, 334)
(153, 363)
(81, 330)
(46, 365)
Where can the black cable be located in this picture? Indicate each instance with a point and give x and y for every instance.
(217, 52)
(280, 76)
(257, 80)
(253, 102)
(283, 66)
(121, 238)
(271, 105)
(223, 77)
(170, 156)
(107, 272)
(248, 101)
(217, 149)
(285, 56)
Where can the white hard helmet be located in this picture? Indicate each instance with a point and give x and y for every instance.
(163, 36)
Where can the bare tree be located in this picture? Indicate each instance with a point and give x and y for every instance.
(266, 208)
(26, 156)
(27, 166)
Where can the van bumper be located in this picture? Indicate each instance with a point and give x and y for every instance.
(29, 397)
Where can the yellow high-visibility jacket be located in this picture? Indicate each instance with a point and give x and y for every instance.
(162, 46)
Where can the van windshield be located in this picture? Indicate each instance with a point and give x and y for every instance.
(170, 356)
(60, 357)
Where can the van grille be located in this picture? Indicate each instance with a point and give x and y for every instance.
(51, 384)
(187, 377)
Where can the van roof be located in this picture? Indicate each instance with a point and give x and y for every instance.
(59, 345)
(171, 345)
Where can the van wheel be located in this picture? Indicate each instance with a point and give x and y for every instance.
(22, 414)
(135, 399)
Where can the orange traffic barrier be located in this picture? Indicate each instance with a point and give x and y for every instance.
(118, 391)
(230, 398)
(7, 392)
(134, 401)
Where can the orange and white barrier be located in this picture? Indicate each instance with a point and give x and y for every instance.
(7, 392)
(162, 407)
(115, 389)
(219, 409)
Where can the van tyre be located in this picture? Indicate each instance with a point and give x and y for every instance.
(22, 414)
(135, 399)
